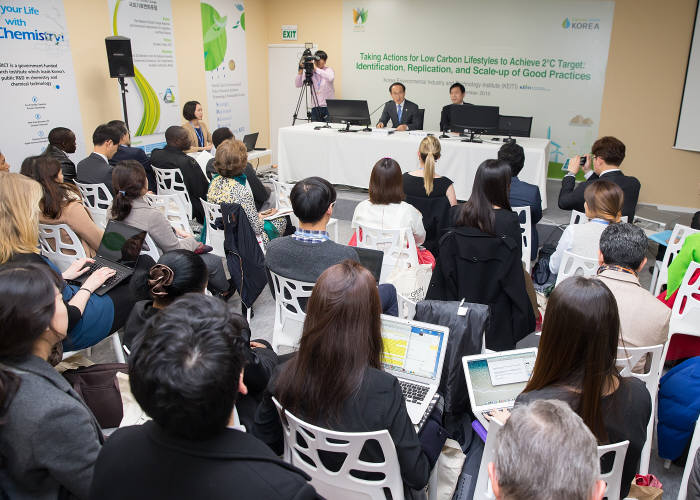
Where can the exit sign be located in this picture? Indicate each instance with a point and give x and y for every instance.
(289, 32)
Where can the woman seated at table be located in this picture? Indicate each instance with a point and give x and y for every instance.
(129, 206)
(576, 364)
(49, 438)
(385, 208)
(62, 202)
(336, 380)
(230, 187)
(200, 138)
(603, 205)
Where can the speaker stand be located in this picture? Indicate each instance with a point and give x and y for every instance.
(122, 84)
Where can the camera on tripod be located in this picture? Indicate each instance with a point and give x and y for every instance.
(307, 62)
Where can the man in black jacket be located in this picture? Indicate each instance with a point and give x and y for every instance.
(402, 112)
(62, 141)
(606, 157)
(186, 372)
(173, 156)
(95, 169)
(126, 152)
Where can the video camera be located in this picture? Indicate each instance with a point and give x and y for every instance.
(307, 62)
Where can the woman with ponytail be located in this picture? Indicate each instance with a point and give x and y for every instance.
(49, 439)
(424, 182)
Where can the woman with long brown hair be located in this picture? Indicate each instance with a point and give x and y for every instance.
(576, 364)
(335, 380)
(62, 202)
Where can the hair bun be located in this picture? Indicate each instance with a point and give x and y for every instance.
(160, 276)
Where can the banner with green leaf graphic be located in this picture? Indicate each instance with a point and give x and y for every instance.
(223, 30)
(152, 100)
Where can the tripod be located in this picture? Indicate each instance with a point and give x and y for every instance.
(307, 91)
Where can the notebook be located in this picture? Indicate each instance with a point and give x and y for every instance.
(372, 260)
(119, 249)
(250, 140)
(414, 353)
(495, 379)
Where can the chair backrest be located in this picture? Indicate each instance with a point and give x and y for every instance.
(54, 247)
(215, 236)
(627, 358)
(613, 477)
(694, 445)
(398, 245)
(305, 443)
(578, 217)
(407, 308)
(282, 192)
(675, 243)
(150, 248)
(170, 181)
(289, 313)
(172, 207)
(525, 221)
(97, 199)
(572, 264)
(421, 118)
(685, 315)
(483, 489)
(518, 126)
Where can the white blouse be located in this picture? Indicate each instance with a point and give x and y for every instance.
(392, 216)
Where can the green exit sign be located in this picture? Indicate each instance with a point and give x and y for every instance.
(289, 32)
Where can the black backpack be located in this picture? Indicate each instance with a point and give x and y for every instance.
(540, 271)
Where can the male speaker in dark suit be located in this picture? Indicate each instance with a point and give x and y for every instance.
(126, 152)
(606, 157)
(95, 169)
(457, 92)
(62, 141)
(403, 113)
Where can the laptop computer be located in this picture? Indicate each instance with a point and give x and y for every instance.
(414, 353)
(249, 140)
(119, 249)
(372, 260)
(495, 379)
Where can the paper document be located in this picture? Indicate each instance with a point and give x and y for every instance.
(279, 213)
(508, 371)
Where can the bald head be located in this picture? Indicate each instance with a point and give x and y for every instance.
(177, 137)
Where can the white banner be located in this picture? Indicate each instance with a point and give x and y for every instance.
(541, 59)
(37, 82)
(152, 98)
(223, 29)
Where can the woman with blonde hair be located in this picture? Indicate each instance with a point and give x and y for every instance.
(432, 185)
(603, 205)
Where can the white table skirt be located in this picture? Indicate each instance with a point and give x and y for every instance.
(348, 158)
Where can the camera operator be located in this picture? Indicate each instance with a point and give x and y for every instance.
(322, 79)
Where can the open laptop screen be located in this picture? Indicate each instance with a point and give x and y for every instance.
(121, 243)
(411, 349)
(499, 379)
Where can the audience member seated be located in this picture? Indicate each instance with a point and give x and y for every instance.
(602, 206)
(605, 159)
(4, 166)
(385, 208)
(521, 193)
(304, 255)
(126, 152)
(199, 136)
(130, 207)
(186, 371)
(576, 364)
(643, 319)
(550, 435)
(431, 194)
(173, 156)
(261, 193)
(336, 380)
(95, 169)
(480, 260)
(230, 187)
(62, 141)
(62, 202)
(48, 436)
(90, 317)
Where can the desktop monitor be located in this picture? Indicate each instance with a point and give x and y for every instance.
(475, 118)
(348, 111)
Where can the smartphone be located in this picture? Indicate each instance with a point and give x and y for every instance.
(565, 167)
(581, 163)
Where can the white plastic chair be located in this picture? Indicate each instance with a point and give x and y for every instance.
(483, 489)
(289, 315)
(685, 315)
(283, 202)
(694, 445)
(613, 478)
(526, 230)
(407, 308)
(173, 208)
(572, 264)
(116, 346)
(398, 245)
(170, 181)
(97, 199)
(581, 218)
(628, 357)
(58, 251)
(675, 243)
(303, 442)
(150, 248)
(215, 237)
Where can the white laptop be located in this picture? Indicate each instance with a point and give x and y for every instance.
(495, 379)
(414, 353)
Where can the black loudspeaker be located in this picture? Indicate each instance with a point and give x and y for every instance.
(121, 64)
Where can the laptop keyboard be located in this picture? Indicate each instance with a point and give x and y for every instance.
(118, 275)
(413, 393)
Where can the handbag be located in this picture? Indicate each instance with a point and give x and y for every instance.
(411, 282)
(97, 385)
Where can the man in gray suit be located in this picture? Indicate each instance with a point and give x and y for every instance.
(95, 169)
(403, 113)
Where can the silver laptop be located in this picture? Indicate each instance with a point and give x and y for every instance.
(414, 353)
(495, 379)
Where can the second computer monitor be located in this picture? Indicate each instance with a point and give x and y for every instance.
(349, 111)
(475, 118)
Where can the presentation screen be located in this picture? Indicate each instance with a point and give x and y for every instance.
(688, 132)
